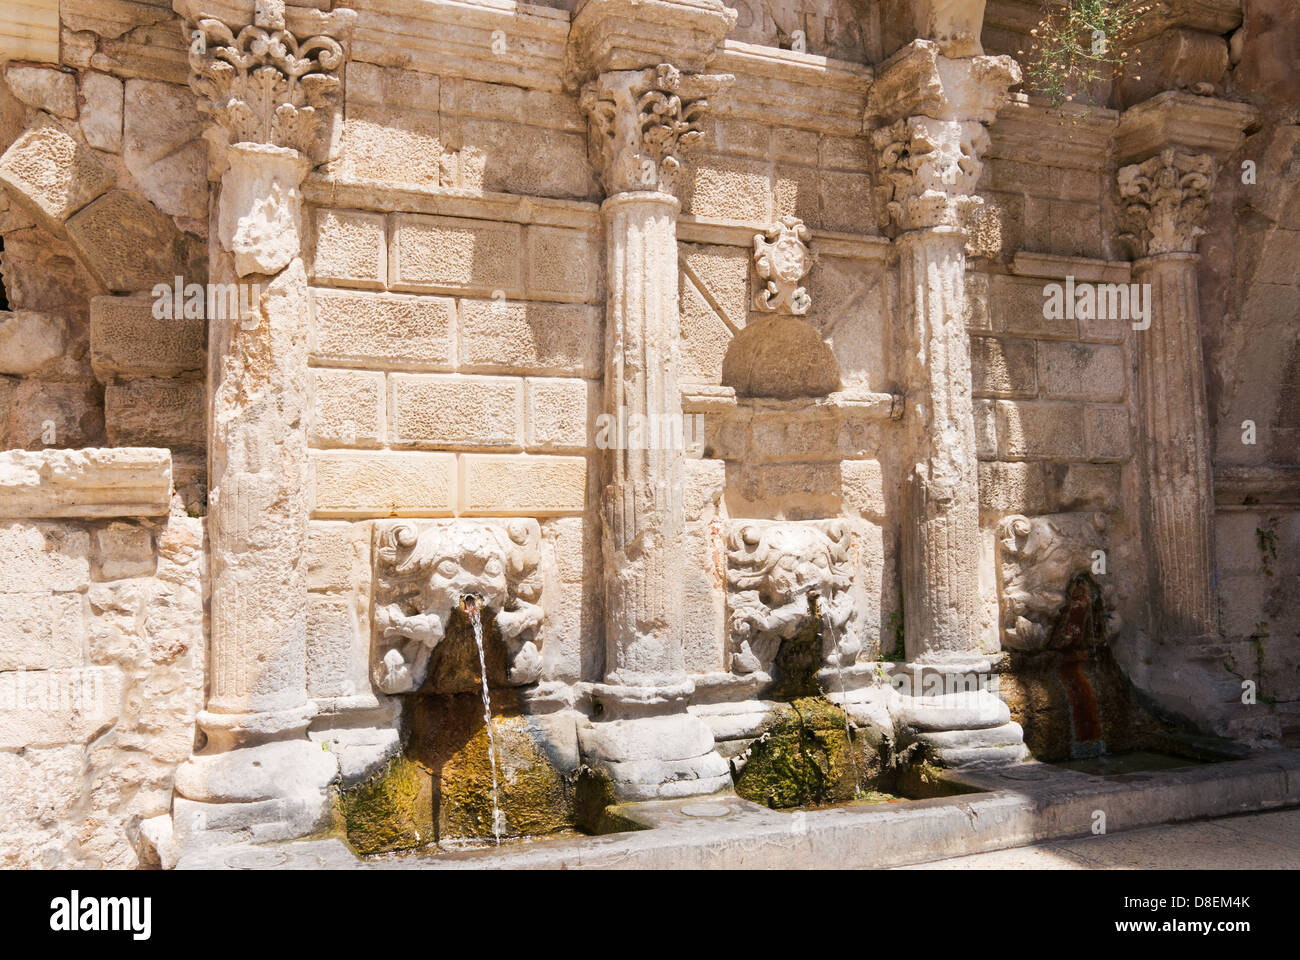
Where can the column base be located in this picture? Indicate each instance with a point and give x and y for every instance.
(967, 729)
(648, 746)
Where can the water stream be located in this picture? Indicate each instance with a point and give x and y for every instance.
(471, 607)
(833, 635)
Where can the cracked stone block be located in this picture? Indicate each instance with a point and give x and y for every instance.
(52, 173)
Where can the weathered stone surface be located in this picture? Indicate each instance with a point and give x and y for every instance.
(28, 341)
(101, 120)
(127, 340)
(122, 482)
(128, 243)
(164, 413)
(52, 172)
(376, 329)
(163, 148)
(44, 88)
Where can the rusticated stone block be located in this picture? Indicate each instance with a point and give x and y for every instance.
(1108, 432)
(126, 339)
(350, 249)
(1034, 431)
(1013, 487)
(1002, 367)
(530, 485)
(563, 264)
(156, 413)
(53, 173)
(513, 336)
(347, 408)
(728, 187)
(128, 243)
(1082, 371)
(435, 410)
(1015, 306)
(446, 253)
(384, 484)
(372, 328)
(561, 413)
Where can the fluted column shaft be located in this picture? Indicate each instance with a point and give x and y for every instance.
(1175, 421)
(644, 510)
(941, 522)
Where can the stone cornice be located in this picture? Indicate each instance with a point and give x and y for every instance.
(1183, 120)
(783, 88)
(1030, 130)
(92, 483)
(610, 35)
(919, 81)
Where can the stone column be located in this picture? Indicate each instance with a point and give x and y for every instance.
(266, 92)
(1165, 199)
(641, 122)
(932, 111)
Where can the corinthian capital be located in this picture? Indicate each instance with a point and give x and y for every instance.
(642, 122)
(262, 84)
(1164, 200)
(928, 171)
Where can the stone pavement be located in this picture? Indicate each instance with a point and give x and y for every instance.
(1248, 841)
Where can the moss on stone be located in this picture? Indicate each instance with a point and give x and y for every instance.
(808, 755)
(533, 796)
(393, 810)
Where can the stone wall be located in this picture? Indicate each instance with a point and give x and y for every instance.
(102, 658)
(1251, 302)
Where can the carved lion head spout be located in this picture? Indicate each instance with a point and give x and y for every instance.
(424, 572)
(1047, 566)
(780, 576)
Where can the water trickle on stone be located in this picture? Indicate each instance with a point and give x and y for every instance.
(471, 607)
(832, 635)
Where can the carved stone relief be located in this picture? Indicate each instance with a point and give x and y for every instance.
(781, 575)
(423, 572)
(1037, 559)
(1165, 200)
(781, 260)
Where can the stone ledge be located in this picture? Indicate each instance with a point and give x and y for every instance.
(95, 482)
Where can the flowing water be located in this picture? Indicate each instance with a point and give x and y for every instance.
(834, 636)
(476, 621)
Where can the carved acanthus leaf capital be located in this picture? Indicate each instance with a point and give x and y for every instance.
(928, 171)
(264, 85)
(642, 122)
(1164, 200)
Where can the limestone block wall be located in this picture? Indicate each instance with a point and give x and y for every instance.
(103, 194)
(1251, 303)
(102, 652)
(456, 346)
